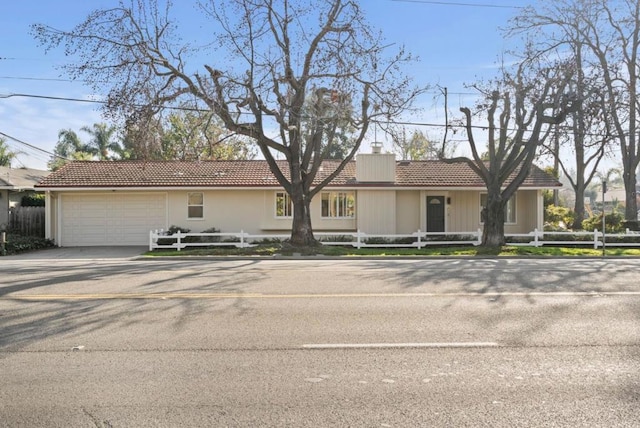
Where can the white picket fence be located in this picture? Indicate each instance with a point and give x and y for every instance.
(159, 239)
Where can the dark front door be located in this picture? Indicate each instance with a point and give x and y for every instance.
(435, 213)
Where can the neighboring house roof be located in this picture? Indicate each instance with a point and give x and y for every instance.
(256, 173)
(20, 178)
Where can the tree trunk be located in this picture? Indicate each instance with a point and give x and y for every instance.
(578, 206)
(631, 204)
(578, 210)
(493, 217)
(301, 230)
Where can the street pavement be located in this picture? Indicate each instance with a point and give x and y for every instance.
(484, 342)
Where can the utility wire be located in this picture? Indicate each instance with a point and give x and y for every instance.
(48, 97)
(31, 146)
(42, 79)
(425, 124)
(445, 3)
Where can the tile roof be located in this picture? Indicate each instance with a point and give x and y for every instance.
(256, 173)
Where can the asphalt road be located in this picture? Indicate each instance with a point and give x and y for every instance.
(465, 342)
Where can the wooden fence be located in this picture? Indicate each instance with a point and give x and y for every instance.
(27, 221)
(419, 239)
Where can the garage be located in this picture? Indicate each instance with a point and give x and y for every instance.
(111, 218)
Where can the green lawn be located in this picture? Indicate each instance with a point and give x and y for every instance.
(449, 251)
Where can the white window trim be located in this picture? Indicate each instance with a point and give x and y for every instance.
(195, 205)
(287, 197)
(337, 192)
(515, 208)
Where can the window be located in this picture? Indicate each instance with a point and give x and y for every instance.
(283, 205)
(195, 205)
(509, 209)
(338, 204)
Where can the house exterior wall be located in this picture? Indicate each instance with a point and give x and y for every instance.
(407, 211)
(4, 208)
(464, 211)
(229, 211)
(51, 216)
(376, 211)
(253, 211)
(527, 212)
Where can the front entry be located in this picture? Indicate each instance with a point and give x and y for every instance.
(435, 213)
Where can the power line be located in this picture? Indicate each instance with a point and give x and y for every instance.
(425, 124)
(445, 3)
(49, 97)
(43, 79)
(31, 146)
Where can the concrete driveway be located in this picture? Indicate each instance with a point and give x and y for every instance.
(80, 253)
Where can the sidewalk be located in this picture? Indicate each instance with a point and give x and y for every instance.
(80, 253)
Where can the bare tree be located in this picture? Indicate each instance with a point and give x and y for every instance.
(586, 134)
(520, 115)
(418, 146)
(610, 34)
(267, 57)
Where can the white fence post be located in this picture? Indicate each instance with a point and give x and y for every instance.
(178, 240)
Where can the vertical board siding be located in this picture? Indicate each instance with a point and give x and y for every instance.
(407, 211)
(376, 168)
(376, 211)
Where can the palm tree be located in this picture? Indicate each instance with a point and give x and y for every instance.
(68, 143)
(67, 148)
(101, 144)
(6, 155)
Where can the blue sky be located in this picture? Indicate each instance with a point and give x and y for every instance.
(457, 41)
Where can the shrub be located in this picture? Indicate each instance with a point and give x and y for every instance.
(172, 231)
(631, 225)
(613, 222)
(18, 244)
(377, 241)
(268, 241)
(189, 239)
(557, 218)
(32, 200)
(209, 238)
(336, 238)
(451, 237)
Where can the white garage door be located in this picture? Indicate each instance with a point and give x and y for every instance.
(111, 218)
